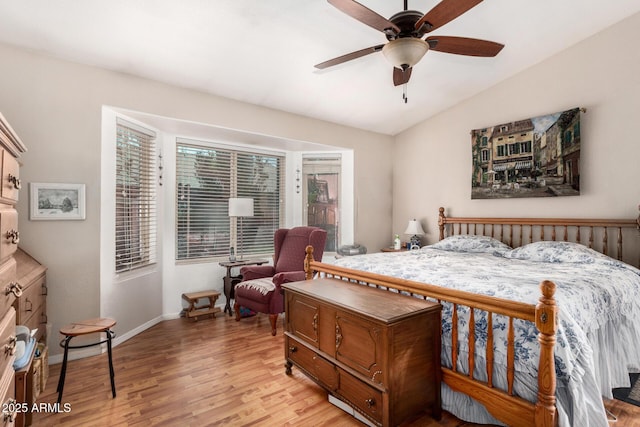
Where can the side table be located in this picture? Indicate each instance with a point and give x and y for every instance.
(393, 250)
(230, 280)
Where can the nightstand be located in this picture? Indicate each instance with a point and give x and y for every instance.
(393, 250)
(230, 280)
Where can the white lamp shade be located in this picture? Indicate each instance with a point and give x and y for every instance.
(414, 228)
(240, 206)
(405, 52)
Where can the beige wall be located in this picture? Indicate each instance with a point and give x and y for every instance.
(601, 74)
(56, 108)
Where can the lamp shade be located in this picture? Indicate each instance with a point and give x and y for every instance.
(240, 206)
(414, 228)
(405, 52)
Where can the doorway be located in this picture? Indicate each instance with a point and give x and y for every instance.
(321, 176)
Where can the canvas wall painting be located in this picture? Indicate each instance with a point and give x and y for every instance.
(535, 157)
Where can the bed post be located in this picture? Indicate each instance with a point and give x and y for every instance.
(441, 219)
(308, 273)
(546, 317)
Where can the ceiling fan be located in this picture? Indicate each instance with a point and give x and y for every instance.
(404, 32)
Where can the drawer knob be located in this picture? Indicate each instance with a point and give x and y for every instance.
(10, 348)
(293, 349)
(17, 184)
(13, 236)
(370, 403)
(13, 288)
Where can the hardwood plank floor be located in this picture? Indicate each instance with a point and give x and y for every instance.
(210, 372)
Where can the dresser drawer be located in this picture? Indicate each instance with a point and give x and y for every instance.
(10, 406)
(8, 339)
(10, 177)
(8, 233)
(362, 396)
(315, 365)
(8, 285)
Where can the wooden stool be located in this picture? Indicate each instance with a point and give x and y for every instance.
(84, 327)
(193, 297)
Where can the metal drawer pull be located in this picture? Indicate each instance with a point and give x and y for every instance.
(370, 403)
(13, 288)
(11, 346)
(17, 184)
(14, 236)
(293, 349)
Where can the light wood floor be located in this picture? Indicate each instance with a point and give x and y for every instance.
(211, 372)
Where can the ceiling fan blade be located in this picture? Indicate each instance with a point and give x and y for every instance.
(349, 57)
(464, 46)
(445, 11)
(401, 77)
(365, 15)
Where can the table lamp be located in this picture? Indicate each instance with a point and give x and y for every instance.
(415, 230)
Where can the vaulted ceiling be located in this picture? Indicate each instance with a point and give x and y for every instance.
(264, 52)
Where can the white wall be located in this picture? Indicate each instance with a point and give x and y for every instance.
(601, 74)
(56, 108)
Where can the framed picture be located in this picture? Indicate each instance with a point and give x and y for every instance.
(57, 201)
(535, 157)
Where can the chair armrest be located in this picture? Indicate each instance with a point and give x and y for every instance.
(288, 276)
(251, 272)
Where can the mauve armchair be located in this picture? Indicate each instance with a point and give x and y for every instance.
(260, 289)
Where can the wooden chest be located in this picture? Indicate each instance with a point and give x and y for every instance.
(376, 351)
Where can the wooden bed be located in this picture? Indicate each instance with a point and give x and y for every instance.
(504, 405)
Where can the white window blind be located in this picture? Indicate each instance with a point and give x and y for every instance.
(206, 178)
(135, 197)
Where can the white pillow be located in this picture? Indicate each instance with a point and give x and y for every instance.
(550, 251)
(470, 243)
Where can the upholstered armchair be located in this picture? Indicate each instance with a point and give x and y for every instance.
(260, 289)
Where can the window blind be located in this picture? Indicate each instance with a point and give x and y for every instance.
(135, 198)
(206, 178)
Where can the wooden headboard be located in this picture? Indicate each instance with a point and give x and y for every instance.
(618, 238)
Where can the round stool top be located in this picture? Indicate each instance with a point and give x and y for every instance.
(89, 326)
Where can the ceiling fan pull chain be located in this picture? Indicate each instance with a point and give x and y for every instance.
(404, 93)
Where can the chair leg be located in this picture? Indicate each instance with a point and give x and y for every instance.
(273, 319)
(111, 372)
(236, 308)
(63, 369)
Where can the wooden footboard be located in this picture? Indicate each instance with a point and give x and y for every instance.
(502, 404)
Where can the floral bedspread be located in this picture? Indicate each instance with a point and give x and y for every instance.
(595, 294)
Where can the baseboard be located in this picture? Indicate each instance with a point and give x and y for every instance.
(94, 351)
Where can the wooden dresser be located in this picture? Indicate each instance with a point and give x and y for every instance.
(376, 351)
(10, 149)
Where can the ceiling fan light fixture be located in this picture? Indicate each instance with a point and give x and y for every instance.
(405, 52)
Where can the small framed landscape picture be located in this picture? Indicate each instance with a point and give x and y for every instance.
(57, 201)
